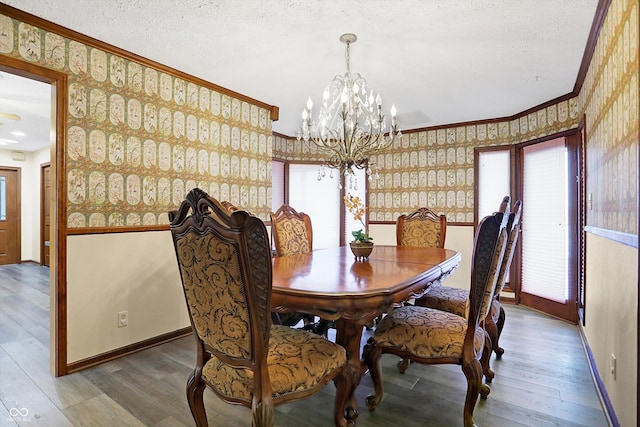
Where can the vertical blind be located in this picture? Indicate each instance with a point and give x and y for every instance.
(544, 221)
(318, 199)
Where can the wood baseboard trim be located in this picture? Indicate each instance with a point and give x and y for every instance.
(609, 410)
(127, 350)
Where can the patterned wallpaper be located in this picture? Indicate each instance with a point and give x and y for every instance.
(139, 139)
(435, 167)
(609, 98)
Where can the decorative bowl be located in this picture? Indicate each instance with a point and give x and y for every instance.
(361, 250)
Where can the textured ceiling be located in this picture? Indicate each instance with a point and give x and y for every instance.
(438, 61)
(30, 100)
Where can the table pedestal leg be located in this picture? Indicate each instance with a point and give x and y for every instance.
(348, 335)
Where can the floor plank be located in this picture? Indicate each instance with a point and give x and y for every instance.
(542, 380)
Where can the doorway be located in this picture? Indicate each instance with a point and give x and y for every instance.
(56, 137)
(10, 215)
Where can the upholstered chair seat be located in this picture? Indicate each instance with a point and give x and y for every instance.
(425, 332)
(296, 360)
(446, 298)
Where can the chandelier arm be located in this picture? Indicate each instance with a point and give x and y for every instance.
(374, 144)
(324, 144)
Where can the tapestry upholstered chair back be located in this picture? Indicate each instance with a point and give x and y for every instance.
(497, 316)
(225, 267)
(292, 234)
(428, 336)
(421, 228)
(291, 231)
(513, 230)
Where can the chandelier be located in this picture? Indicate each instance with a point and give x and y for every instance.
(350, 129)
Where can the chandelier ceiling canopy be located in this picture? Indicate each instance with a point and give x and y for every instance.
(350, 128)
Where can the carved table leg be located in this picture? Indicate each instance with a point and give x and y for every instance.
(372, 354)
(348, 335)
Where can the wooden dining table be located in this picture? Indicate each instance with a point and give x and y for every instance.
(331, 284)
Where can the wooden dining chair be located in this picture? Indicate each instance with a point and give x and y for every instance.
(421, 228)
(456, 301)
(292, 234)
(428, 336)
(226, 271)
(291, 231)
(496, 319)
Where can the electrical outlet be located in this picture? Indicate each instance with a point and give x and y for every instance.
(123, 318)
(613, 365)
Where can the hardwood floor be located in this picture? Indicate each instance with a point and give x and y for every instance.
(542, 380)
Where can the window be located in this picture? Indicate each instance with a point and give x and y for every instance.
(494, 180)
(356, 185)
(545, 231)
(3, 198)
(277, 184)
(318, 198)
(493, 173)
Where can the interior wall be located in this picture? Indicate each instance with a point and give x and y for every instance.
(138, 137)
(435, 167)
(611, 326)
(30, 199)
(111, 273)
(609, 100)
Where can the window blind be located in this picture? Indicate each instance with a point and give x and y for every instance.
(318, 199)
(278, 184)
(494, 180)
(544, 221)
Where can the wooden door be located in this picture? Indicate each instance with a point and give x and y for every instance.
(9, 215)
(549, 242)
(45, 209)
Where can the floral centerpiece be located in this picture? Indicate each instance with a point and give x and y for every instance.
(362, 244)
